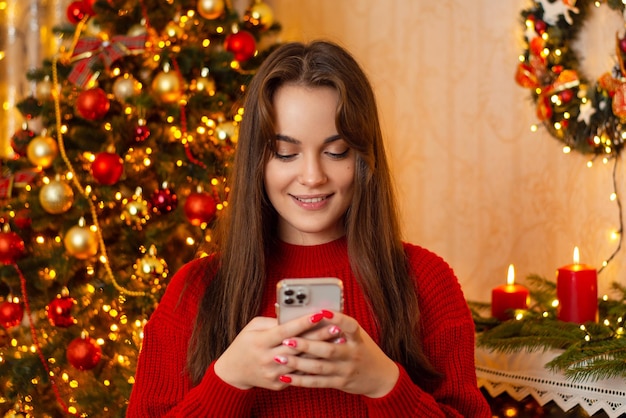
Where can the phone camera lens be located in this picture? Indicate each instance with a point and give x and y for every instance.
(289, 292)
(289, 301)
(301, 297)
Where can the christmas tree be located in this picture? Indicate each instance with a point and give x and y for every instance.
(124, 179)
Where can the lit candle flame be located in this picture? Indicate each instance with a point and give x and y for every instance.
(576, 256)
(510, 277)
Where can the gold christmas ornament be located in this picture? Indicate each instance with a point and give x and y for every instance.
(167, 86)
(259, 15)
(150, 266)
(136, 211)
(41, 151)
(93, 29)
(227, 130)
(43, 90)
(136, 30)
(126, 86)
(211, 9)
(174, 30)
(206, 84)
(56, 197)
(80, 241)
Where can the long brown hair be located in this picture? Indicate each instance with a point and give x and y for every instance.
(247, 231)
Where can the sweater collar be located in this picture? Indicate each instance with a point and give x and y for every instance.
(309, 257)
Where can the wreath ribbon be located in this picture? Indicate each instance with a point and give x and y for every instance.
(89, 51)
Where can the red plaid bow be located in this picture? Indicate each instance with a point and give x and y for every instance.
(88, 51)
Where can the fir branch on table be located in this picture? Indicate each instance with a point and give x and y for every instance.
(595, 360)
(591, 351)
(531, 334)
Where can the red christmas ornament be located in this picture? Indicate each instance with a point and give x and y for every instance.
(163, 201)
(84, 353)
(242, 44)
(200, 207)
(107, 168)
(22, 219)
(88, 7)
(20, 141)
(59, 312)
(540, 26)
(11, 247)
(11, 314)
(141, 133)
(92, 104)
(76, 11)
(566, 95)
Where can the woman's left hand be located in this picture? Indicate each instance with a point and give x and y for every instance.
(339, 355)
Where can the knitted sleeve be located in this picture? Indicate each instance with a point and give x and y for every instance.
(162, 387)
(448, 341)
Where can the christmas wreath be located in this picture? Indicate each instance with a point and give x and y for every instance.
(588, 116)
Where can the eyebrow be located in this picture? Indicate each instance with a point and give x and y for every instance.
(292, 140)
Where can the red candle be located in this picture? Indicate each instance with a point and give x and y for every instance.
(577, 292)
(506, 298)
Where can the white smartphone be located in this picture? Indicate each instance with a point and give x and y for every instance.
(306, 296)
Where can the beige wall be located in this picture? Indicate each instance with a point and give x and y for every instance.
(476, 186)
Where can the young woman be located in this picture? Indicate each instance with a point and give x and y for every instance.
(311, 197)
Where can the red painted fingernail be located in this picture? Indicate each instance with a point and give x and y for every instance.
(280, 359)
(340, 340)
(334, 330)
(327, 314)
(290, 343)
(315, 318)
(284, 379)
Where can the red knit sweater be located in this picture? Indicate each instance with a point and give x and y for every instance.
(162, 387)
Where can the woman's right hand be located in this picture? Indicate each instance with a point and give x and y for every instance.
(249, 360)
(255, 357)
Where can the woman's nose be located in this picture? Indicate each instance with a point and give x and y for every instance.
(312, 172)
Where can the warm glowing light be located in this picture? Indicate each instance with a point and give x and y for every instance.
(576, 256)
(510, 277)
(511, 412)
(566, 150)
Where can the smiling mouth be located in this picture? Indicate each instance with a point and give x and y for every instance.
(310, 199)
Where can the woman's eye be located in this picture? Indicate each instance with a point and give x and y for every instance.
(339, 155)
(284, 156)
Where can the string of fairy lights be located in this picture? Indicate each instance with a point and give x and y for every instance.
(587, 117)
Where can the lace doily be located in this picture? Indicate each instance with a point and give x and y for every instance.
(522, 374)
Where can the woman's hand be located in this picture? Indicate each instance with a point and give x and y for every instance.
(257, 355)
(339, 355)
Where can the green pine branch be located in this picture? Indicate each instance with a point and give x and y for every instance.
(590, 352)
